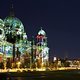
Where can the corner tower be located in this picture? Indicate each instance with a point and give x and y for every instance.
(42, 52)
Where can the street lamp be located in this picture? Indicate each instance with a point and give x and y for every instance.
(18, 64)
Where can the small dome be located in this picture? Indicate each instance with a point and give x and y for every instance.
(24, 36)
(14, 23)
(1, 23)
(41, 32)
(2, 35)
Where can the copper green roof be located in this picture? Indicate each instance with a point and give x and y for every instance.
(14, 23)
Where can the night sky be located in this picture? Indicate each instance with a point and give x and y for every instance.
(59, 18)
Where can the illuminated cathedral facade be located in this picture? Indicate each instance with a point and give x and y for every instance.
(15, 46)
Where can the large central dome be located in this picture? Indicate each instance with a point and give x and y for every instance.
(14, 28)
(14, 23)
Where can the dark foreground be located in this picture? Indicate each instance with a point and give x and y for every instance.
(42, 75)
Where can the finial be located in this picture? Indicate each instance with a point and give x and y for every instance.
(11, 8)
(41, 28)
(12, 5)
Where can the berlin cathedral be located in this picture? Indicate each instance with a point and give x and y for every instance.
(15, 46)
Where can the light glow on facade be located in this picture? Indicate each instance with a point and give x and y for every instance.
(16, 48)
